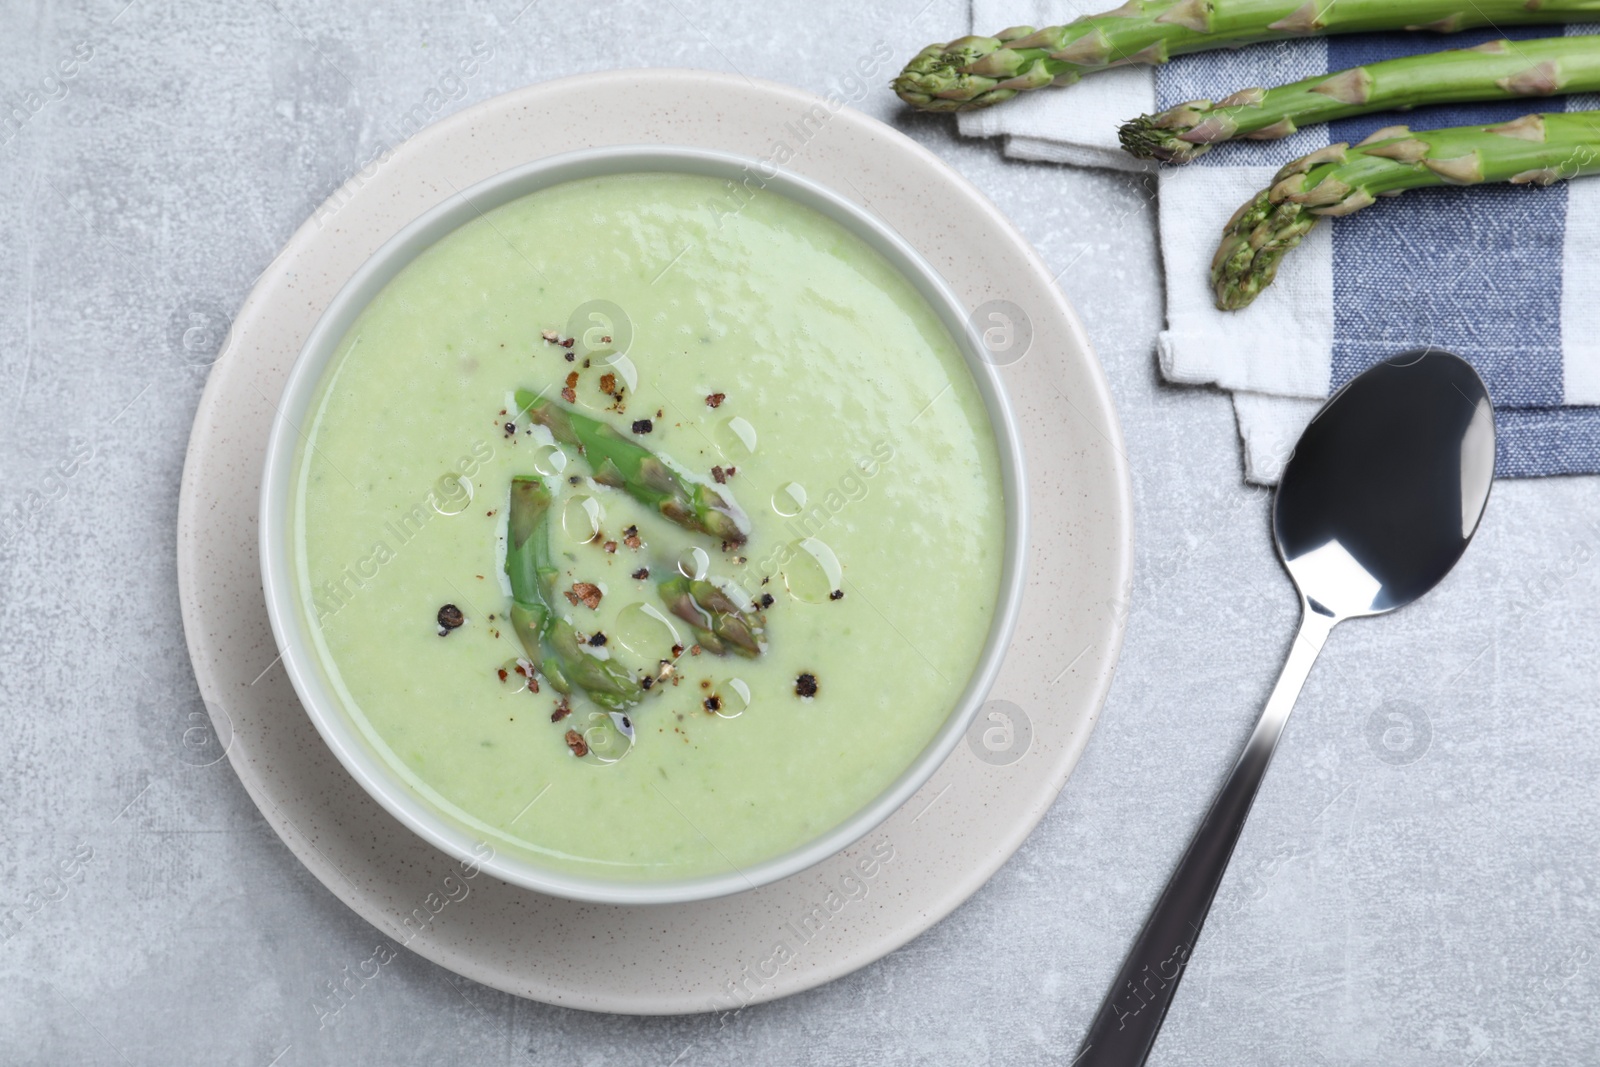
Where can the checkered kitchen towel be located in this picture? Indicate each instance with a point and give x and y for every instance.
(1507, 276)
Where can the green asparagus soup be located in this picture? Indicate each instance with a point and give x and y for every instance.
(752, 557)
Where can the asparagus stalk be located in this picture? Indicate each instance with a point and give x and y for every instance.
(1340, 180)
(550, 641)
(1498, 70)
(975, 72)
(627, 465)
(719, 624)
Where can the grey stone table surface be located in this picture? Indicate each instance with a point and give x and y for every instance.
(1418, 884)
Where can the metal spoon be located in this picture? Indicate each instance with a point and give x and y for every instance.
(1382, 495)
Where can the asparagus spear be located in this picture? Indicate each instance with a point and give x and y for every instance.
(550, 641)
(1340, 180)
(628, 465)
(1498, 70)
(718, 622)
(974, 72)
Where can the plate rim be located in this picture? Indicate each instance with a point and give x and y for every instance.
(1117, 520)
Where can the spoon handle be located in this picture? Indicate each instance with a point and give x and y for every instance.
(1126, 1027)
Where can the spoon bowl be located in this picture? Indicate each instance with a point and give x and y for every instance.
(1382, 495)
(1386, 485)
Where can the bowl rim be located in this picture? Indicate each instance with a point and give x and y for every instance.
(335, 724)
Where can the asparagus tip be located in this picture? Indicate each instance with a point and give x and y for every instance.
(1142, 138)
(941, 78)
(1252, 245)
(530, 499)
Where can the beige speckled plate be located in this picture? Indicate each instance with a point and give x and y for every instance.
(847, 911)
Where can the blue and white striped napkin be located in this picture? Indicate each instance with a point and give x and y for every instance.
(1506, 276)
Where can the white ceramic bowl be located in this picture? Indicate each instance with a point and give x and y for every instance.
(289, 622)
